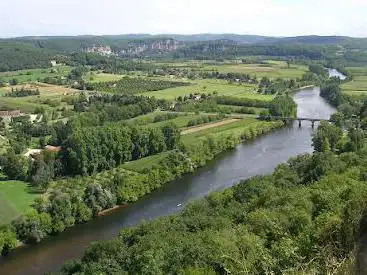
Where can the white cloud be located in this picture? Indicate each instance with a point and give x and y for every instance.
(268, 17)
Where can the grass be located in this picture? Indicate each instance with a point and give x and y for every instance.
(102, 77)
(209, 86)
(35, 74)
(235, 109)
(145, 163)
(273, 70)
(358, 86)
(16, 198)
(180, 121)
(29, 103)
(232, 128)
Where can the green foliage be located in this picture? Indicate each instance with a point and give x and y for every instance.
(285, 222)
(14, 166)
(318, 70)
(164, 117)
(8, 240)
(23, 92)
(332, 93)
(130, 86)
(283, 106)
(98, 199)
(33, 227)
(99, 109)
(90, 150)
(204, 119)
(18, 56)
(226, 100)
(327, 137)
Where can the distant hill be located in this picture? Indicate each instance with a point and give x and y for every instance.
(38, 51)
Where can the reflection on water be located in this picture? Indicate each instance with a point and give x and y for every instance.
(256, 157)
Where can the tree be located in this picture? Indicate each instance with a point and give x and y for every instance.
(42, 169)
(338, 119)
(8, 240)
(356, 140)
(156, 141)
(171, 135)
(326, 137)
(332, 93)
(15, 167)
(283, 106)
(13, 82)
(61, 211)
(317, 69)
(33, 226)
(98, 198)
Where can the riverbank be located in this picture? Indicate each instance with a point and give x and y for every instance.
(113, 189)
(255, 157)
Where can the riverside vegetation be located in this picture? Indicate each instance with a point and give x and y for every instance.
(119, 140)
(307, 217)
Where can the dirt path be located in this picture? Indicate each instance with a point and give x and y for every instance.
(208, 126)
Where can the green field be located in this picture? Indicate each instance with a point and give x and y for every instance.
(16, 197)
(272, 70)
(358, 86)
(28, 104)
(35, 74)
(102, 77)
(181, 121)
(232, 128)
(210, 86)
(145, 163)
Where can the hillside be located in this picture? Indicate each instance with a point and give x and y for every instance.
(35, 52)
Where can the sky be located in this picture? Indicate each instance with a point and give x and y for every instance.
(261, 17)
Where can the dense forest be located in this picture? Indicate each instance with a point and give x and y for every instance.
(91, 150)
(18, 56)
(305, 217)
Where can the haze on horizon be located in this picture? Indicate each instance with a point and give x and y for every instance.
(260, 17)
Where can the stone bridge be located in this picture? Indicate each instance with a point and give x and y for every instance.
(286, 120)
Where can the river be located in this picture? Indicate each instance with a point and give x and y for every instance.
(260, 156)
(335, 73)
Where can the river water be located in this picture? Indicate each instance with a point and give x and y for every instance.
(335, 73)
(252, 158)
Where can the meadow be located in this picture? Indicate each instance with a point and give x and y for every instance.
(145, 163)
(272, 70)
(234, 128)
(221, 87)
(95, 77)
(16, 197)
(356, 86)
(49, 95)
(32, 75)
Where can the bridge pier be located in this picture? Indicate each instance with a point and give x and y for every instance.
(313, 124)
(299, 123)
